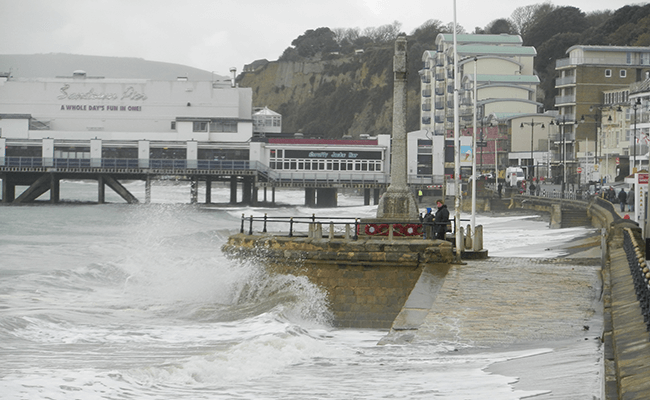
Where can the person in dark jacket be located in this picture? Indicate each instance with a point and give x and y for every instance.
(630, 199)
(622, 198)
(441, 219)
(611, 195)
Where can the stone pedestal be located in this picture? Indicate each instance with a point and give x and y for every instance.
(398, 205)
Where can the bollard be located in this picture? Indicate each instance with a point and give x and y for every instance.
(478, 238)
(356, 229)
(468, 238)
(241, 230)
(291, 227)
(264, 230)
(250, 229)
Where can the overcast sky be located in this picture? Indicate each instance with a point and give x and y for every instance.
(215, 35)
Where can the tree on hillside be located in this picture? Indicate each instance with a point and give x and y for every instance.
(427, 32)
(522, 18)
(560, 20)
(384, 33)
(628, 26)
(314, 42)
(499, 26)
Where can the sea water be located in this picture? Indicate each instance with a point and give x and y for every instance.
(119, 301)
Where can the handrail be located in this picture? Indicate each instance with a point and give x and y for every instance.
(407, 228)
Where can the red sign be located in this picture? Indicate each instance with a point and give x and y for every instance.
(618, 161)
(643, 179)
(579, 170)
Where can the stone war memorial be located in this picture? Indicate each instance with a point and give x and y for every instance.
(371, 269)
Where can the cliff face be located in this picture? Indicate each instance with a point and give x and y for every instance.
(346, 95)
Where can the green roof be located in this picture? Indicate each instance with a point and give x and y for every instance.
(480, 49)
(487, 78)
(466, 38)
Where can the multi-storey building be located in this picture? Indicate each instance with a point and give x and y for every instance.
(582, 78)
(639, 127)
(504, 78)
(500, 69)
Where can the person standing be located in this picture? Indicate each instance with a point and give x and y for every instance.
(441, 219)
(630, 200)
(420, 194)
(622, 198)
(428, 224)
(500, 188)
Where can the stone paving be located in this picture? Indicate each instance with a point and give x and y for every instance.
(502, 301)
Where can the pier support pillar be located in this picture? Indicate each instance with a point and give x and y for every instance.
(377, 196)
(101, 190)
(8, 189)
(208, 190)
(147, 190)
(273, 195)
(326, 197)
(194, 191)
(54, 189)
(366, 197)
(233, 190)
(247, 191)
(310, 197)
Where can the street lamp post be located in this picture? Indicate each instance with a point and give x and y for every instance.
(532, 124)
(636, 105)
(562, 149)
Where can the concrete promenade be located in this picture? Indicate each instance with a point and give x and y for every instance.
(579, 325)
(551, 307)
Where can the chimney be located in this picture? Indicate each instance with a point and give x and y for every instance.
(233, 73)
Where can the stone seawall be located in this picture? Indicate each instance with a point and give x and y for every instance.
(367, 281)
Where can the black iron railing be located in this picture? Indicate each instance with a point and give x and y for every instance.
(640, 274)
(352, 227)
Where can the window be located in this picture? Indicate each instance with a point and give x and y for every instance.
(608, 73)
(199, 126)
(173, 126)
(223, 126)
(623, 73)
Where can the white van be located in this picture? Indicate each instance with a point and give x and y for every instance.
(514, 175)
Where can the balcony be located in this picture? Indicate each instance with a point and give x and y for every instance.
(567, 80)
(615, 60)
(565, 99)
(568, 137)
